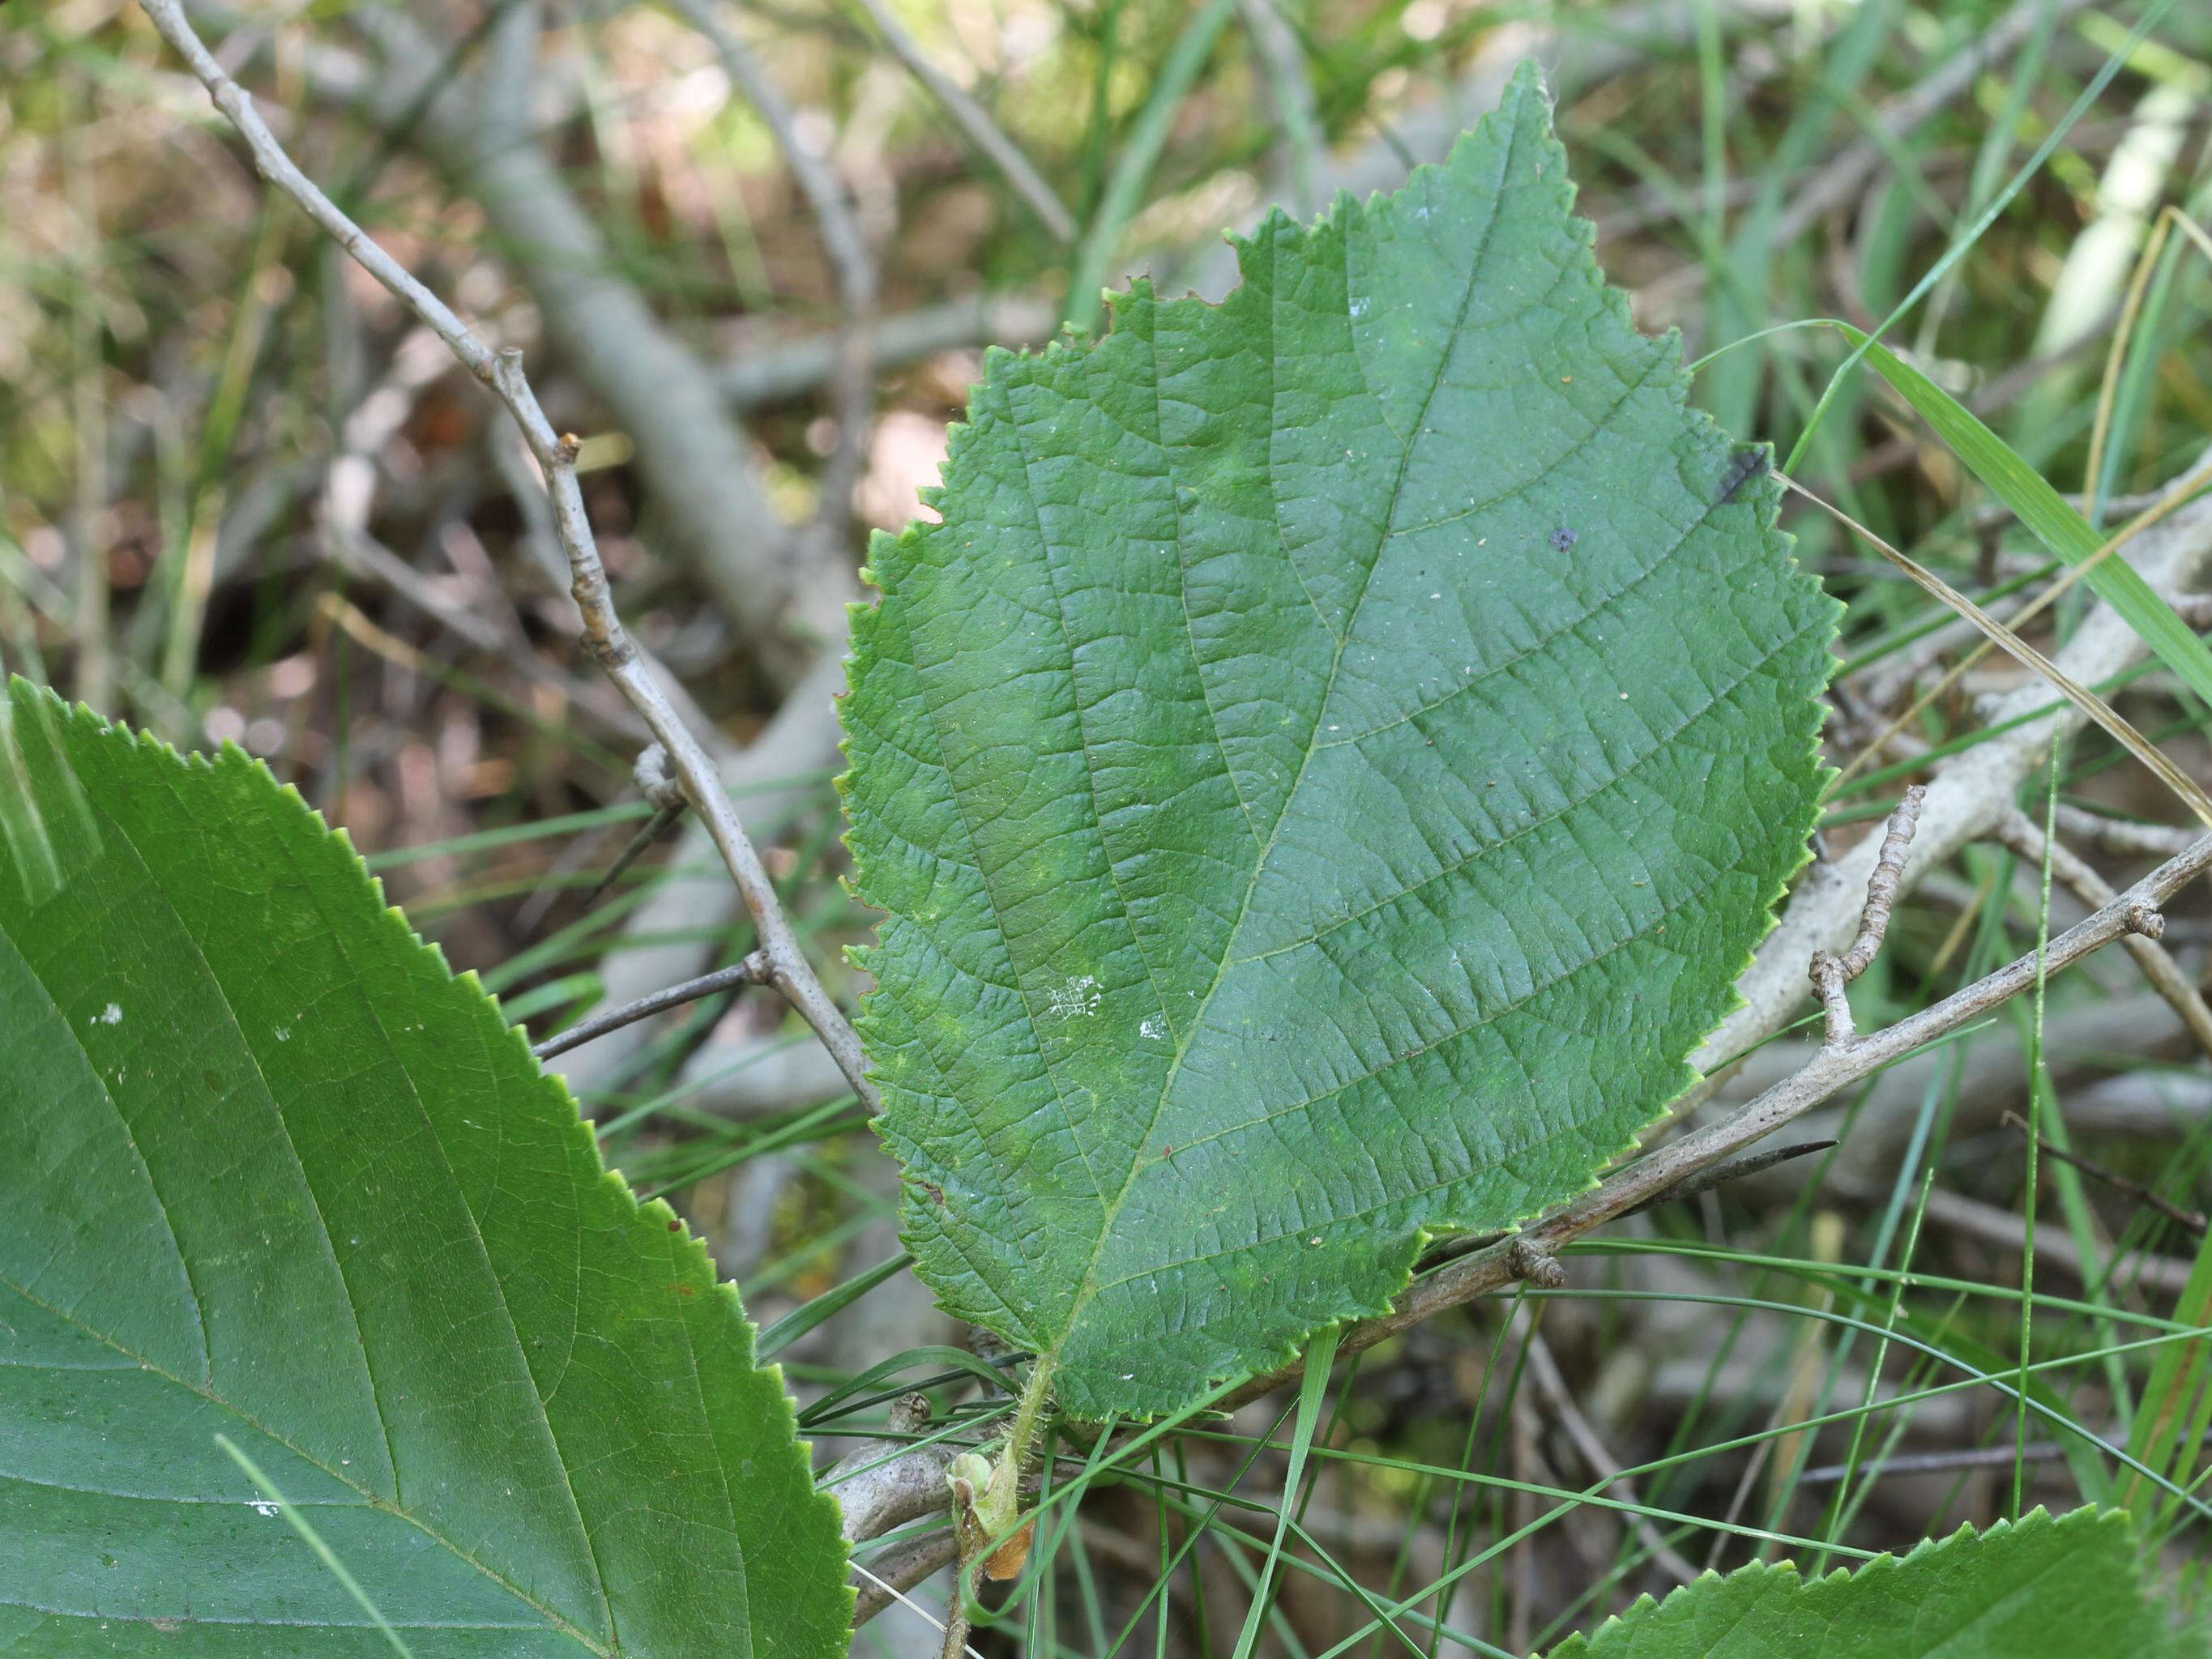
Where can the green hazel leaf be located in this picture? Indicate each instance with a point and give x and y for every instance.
(272, 1173)
(2032, 1588)
(1322, 777)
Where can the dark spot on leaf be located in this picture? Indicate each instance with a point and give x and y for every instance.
(675, 1226)
(684, 1290)
(1563, 539)
(213, 1082)
(1746, 465)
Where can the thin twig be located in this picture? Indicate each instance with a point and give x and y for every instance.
(1881, 887)
(2025, 836)
(753, 970)
(956, 1605)
(1832, 972)
(1559, 1401)
(662, 821)
(982, 131)
(1526, 1253)
(775, 370)
(1831, 1067)
(2191, 1221)
(1935, 1462)
(1735, 1169)
(2121, 836)
(555, 453)
(667, 795)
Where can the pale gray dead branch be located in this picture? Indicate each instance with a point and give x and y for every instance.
(769, 372)
(697, 464)
(555, 454)
(1830, 971)
(1967, 795)
(1559, 1401)
(663, 939)
(2025, 836)
(881, 1485)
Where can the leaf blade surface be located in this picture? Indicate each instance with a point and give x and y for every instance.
(284, 1178)
(1322, 777)
(2039, 1588)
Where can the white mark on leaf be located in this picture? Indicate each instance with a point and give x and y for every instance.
(1079, 999)
(263, 1506)
(111, 1015)
(1153, 1026)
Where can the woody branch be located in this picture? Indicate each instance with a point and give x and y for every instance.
(787, 967)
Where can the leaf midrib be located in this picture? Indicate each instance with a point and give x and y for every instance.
(1087, 1289)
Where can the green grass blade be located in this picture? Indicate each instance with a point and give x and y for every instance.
(1139, 154)
(1311, 1392)
(2044, 511)
(329, 1558)
(800, 1320)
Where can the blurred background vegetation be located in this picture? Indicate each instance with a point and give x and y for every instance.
(754, 254)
